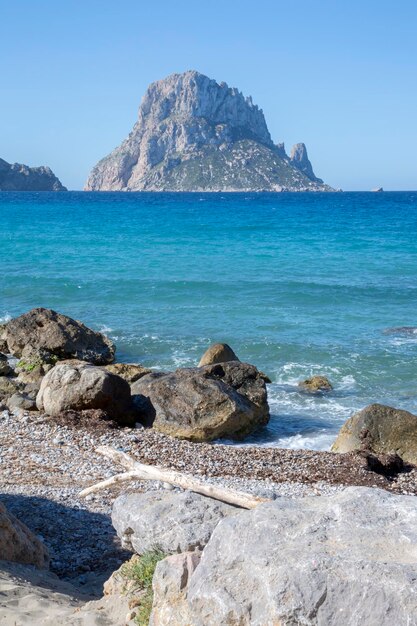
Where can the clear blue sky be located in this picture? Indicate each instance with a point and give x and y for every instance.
(340, 76)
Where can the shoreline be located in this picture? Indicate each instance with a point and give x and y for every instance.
(46, 464)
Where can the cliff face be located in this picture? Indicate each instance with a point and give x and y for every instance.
(194, 134)
(18, 177)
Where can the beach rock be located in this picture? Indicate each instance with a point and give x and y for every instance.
(380, 429)
(218, 353)
(169, 584)
(316, 384)
(18, 543)
(5, 368)
(76, 386)
(206, 403)
(130, 372)
(170, 521)
(21, 401)
(347, 559)
(194, 134)
(19, 177)
(8, 386)
(42, 334)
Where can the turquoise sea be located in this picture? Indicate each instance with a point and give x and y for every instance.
(298, 284)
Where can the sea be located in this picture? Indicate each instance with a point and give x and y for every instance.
(297, 283)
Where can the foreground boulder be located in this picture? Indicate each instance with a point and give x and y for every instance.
(169, 521)
(45, 334)
(218, 353)
(206, 403)
(347, 559)
(18, 543)
(316, 384)
(78, 386)
(381, 429)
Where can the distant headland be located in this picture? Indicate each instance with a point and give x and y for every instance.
(19, 177)
(194, 134)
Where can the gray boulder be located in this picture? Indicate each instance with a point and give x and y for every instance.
(348, 559)
(43, 334)
(21, 401)
(206, 403)
(217, 353)
(169, 521)
(381, 429)
(18, 543)
(77, 386)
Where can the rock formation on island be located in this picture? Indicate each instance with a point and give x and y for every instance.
(194, 134)
(19, 177)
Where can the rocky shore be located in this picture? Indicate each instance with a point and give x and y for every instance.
(49, 456)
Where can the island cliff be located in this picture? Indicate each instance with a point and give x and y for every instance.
(19, 177)
(194, 134)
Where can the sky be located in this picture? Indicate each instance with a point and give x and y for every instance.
(339, 75)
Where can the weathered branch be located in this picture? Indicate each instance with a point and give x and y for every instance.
(140, 471)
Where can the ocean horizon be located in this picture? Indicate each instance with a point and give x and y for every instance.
(297, 283)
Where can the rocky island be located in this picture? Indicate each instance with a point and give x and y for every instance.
(194, 134)
(19, 177)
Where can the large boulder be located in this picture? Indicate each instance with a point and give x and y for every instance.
(346, 559)
(381, 429)
(218, 353)
(206, 403)
(170, 521)
(18, 543)
(78, 386)
(44, 333)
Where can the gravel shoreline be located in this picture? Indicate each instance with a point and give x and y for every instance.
(45, 464)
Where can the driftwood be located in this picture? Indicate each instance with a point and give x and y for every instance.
(140, 471)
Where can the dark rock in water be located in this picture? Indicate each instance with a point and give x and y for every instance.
(316, 384)
(300, 160)
(194, 134)
(42, 333)
(18, 177)
(206, 403)
(78, 386)
(217, 353)
(381, 430)
(401, 330)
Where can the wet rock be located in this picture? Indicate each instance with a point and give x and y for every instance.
(316, 384)
(202, 404)
(77, 386)
(170, 521)
(42, 334)
(380, 429)
(218, 353)
(18, 543)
